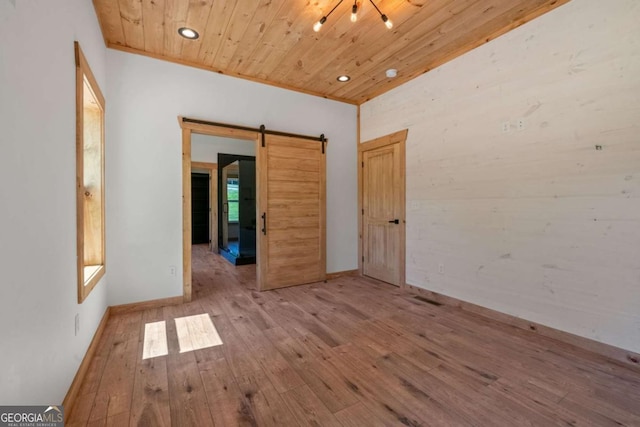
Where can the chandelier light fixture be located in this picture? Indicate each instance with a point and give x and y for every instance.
(354, 15)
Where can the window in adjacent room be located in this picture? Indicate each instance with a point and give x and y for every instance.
(232, 199)
(89, 177)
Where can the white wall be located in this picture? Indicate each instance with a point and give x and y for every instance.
(535, 222)
(205, 148)
(38, 290)
(144, 213)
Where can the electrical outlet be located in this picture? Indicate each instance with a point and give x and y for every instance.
(441, 268)
(521, 124)
(77, 323)
(172, 270)
(506, 127)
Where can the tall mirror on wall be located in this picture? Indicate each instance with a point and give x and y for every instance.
(237, 207)
(223, 196)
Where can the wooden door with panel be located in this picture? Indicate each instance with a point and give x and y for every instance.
(382, 180)
(292, 199)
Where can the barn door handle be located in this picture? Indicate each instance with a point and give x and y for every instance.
(394, 221)
(264, 223)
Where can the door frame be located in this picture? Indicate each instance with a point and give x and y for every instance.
(207, 129)
(399, 137)
(212, 170)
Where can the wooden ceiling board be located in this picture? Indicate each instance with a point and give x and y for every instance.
(175, 16)
(153, 29)
(110, 22)
(288, 44)
(335, 42)
(131, 17)
(198, 16)
(272, 41)
(278, 38)
(368, 56)
(219, 17)
(423, 44)
(234, 32)
(264, 15)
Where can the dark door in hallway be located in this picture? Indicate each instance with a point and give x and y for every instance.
(200, 208)
(237, 204)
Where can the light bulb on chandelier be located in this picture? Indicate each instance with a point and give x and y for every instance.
(387, 21)
(354, 15)
(318, 25)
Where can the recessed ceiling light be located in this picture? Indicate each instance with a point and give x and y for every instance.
(188, 33)
(343, 78)
(391, 73)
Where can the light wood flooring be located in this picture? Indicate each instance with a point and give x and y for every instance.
(351, 352)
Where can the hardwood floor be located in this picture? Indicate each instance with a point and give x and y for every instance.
(351, 352)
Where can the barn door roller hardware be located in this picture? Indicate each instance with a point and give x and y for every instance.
(262, 130)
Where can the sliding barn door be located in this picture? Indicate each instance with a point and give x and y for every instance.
(292, 212)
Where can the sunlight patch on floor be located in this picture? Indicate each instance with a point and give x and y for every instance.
(196, 332)
(155, 340)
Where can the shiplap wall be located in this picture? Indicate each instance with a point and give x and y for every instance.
(533, 222)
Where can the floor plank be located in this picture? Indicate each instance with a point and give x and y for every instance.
(187, 397)
(150, 405)
(308, 408)
(229, 406)
(350, 352)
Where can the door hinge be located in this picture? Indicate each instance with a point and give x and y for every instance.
(322, 141)
(362, 211)
(362, 164)
(362, 258)
(262, 131)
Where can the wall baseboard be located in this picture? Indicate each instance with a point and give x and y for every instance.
(339, 274)
(145, 305)
(72, 394)
(621, 356)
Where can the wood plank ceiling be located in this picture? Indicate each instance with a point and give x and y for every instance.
(272, 41)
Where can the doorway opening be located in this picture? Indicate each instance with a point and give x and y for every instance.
(201, 145)
(200, 208)
(290, 196)
(237, 204)
(204, 217)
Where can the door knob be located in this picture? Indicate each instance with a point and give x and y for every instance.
(394, 221)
